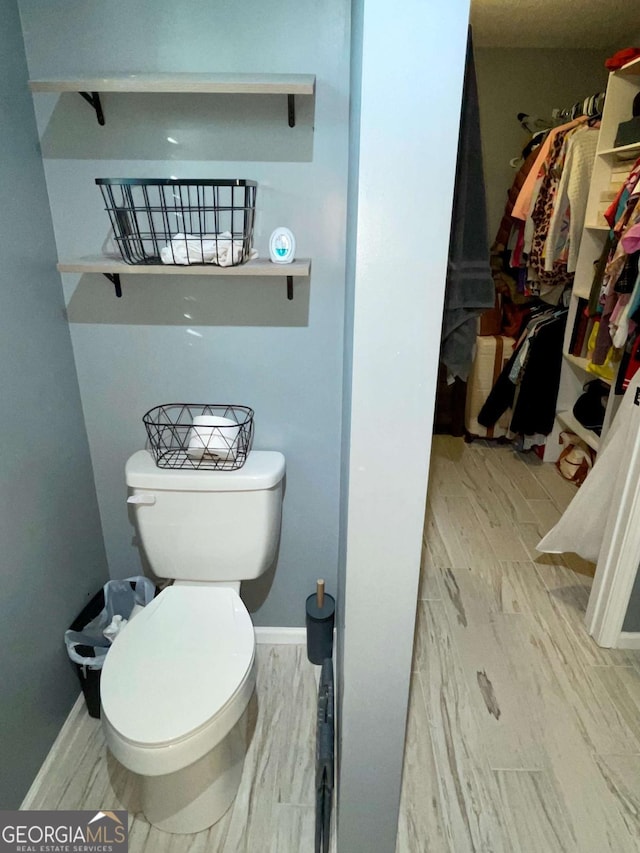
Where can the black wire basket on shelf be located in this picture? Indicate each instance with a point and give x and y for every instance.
(171, 221)
(211, 437)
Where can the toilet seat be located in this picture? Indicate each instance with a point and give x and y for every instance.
(178, 678)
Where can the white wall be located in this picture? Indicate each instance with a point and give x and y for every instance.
(397, 308)
(199, 339)
(533, 81)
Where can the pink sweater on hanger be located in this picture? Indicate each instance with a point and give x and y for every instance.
(522, 207)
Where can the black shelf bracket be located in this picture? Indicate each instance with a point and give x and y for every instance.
(93, 98)
(114, 278)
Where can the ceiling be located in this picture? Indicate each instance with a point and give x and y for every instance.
(556, 23)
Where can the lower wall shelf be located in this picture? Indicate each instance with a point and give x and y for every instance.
(113, 268)
(569, 420)
(583, 363)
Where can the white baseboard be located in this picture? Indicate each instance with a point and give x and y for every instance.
(628, 640)
(280, 636)
(57, 749)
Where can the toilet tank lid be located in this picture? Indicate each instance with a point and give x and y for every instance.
(262, 470)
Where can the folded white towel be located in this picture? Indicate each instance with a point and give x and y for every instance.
(220, 249)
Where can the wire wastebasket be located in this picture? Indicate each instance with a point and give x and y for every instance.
(214, 437)
(171, 221)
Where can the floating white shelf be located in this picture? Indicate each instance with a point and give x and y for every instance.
(182, 83)
(582, 364)
(258, 267)
(240, 84)
(568, 420)
(598, 226)
(113, 268)
(576, 360)
(631, 68)
(621, 150)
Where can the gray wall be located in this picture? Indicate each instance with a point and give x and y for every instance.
(533, 81)
(396, 300)
(199, 339)
(52, 552)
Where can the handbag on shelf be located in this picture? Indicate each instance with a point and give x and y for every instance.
(576, 458)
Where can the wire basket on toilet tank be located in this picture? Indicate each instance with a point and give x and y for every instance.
(207, 436)
(183, 222)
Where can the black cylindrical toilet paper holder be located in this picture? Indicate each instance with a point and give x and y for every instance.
(320, 617)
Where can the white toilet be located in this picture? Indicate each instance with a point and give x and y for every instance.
(177, 682)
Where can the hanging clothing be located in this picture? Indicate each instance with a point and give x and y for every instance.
(570, 206)
(522, 207)
(593, 307)
(618, 206)
(582, 526)
(543, 210)
(538, 372)
(506, 223)
(614, 271)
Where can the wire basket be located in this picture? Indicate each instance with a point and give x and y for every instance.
(200, 436)
(170, 221)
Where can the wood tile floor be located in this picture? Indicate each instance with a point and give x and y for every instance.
(274, 810)
(523, 734)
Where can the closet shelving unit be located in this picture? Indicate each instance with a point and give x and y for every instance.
(90, 88)
(622, 88)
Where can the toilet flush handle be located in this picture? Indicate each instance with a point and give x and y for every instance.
(142, 500)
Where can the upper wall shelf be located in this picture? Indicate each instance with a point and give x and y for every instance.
(583, 364)
(213, 84)
(625, 152)
(112, 268)
(630, 69)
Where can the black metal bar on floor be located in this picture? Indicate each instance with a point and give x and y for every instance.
(325, 770)
(289, 287)
(114, 278)
(291, 108)
(93, 98)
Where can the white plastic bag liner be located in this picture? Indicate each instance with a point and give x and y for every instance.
(119, 600)
(581, 528)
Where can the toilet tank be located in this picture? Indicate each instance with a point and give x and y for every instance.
(202, 525)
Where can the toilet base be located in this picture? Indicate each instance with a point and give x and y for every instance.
(196, 797)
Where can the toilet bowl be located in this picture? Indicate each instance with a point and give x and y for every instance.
(175, 688)
(177, 682)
